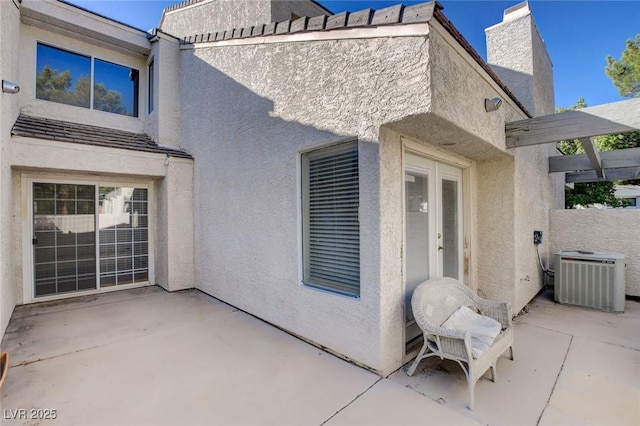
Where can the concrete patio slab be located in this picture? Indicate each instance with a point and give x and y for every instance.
(599, 384)
(574, 366)
(146, 356)
(584, 322)
(197, 362)
(522, 389)
(388, 403)
(91, 321)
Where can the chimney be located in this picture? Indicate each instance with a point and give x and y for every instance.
(517, 54)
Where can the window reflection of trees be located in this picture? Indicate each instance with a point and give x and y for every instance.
(65, 87)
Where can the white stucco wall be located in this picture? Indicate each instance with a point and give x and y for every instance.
(514, 190)
(277, 88)
(535, 197)
(9, 39)
(175, 227)
(291, 97)
(608, 230)
(518, 55)
(164, 123)
(459, 90)
(281, 10)
(211, 16)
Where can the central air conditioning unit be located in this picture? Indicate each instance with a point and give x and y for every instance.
(591, 279)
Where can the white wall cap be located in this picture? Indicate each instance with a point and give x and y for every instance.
(51, 14)
(517, 11)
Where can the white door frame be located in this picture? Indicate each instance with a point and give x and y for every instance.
(28, 283)
(464, 197)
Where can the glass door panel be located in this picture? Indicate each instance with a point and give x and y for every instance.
(450, 233)
(64, 238)
(433, 228)
(123, 220)
(417, 239)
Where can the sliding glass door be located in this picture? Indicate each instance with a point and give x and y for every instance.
(88, 237)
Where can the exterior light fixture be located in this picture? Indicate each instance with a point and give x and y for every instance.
(9, 87)
(491, 105)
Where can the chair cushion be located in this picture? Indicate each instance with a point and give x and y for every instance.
(483, 329)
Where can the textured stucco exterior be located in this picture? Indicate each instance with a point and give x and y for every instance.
(211, 16)
(175, 226)
(426, 89)
(607, 230)
(514, 189)
(519, 57)
(281, 10)
(164, 122)
(215, 15)
(246, 177)
(9, 23)
(517, 54)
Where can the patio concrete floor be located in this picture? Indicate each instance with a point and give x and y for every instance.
(145, 356)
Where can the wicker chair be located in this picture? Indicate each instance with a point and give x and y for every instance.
(433, 302)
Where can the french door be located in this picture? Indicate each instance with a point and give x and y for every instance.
(433, 226)
(87, 237)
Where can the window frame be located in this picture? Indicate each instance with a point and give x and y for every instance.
(27, 180)
(324, 151)
(92, 58)
(150, 83)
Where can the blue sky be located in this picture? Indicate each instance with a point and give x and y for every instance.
(578, 34)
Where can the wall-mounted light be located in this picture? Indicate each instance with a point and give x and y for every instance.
(9, 87)
(491, 105)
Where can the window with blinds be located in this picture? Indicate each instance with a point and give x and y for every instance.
(331, 229)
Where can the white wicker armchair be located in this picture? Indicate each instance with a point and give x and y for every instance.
(433, 302)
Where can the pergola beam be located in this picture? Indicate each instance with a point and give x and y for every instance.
(612, 174)
(619, 158)
(589, 146)
(616, 117)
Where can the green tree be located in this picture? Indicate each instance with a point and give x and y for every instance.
(625, 73)
(586, 193)
(569, 147)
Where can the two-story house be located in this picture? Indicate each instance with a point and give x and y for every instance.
(308, 168)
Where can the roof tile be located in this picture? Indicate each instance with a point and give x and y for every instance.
(65, 131)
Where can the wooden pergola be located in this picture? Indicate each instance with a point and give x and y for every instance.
(584, 125)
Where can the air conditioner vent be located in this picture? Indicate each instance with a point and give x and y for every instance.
(592, 279)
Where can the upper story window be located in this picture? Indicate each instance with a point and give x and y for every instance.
(85, 81)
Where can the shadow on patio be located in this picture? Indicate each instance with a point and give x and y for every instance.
(145, 356)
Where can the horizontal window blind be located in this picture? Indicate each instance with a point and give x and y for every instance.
(330, 213)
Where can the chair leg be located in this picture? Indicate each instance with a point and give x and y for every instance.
(511, 352)
(412, 368)
(493, 372)
(471, 386)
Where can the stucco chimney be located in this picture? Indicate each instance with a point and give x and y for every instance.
(517, 54)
